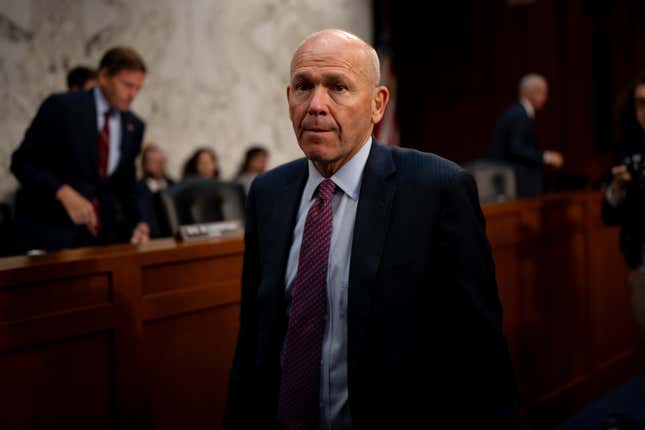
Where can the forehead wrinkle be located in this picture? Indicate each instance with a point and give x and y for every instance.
(307, 58)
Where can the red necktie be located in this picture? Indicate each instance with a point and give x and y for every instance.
(298, 404)
(104, 145)
(104, 153)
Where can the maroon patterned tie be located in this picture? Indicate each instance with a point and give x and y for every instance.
(104, 153)
(104, 145)
(298, 405)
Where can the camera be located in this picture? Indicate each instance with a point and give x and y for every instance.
(635, 166)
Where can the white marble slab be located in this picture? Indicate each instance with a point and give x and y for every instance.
(217, 69)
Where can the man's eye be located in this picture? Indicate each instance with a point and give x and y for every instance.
(302, 86)
(340, 88)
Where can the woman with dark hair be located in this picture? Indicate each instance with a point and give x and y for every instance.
(624, 203)
(255, 163)
(203, 163)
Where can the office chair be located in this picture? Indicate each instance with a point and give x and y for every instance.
(202, 200)
(495, 180)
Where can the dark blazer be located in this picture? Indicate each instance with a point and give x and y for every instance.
(515, 141)
(151, 209)
(61, 147)
(630, 214)
(425, 338)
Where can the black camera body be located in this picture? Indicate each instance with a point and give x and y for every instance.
(635, 165)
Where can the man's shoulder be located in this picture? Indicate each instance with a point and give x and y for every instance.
(515, 111)
(66, 101)
(282, 175)
(133, 118)
(423, 166)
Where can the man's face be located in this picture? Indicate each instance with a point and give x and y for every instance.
(333, 100)
(155, 164)
(639, 104)
(206, 165)
(258, 164)
(121, 88)
(538, 94)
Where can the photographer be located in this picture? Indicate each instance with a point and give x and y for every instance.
(624, 203)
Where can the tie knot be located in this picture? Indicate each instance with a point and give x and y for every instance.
(108, 113)
(326, 189)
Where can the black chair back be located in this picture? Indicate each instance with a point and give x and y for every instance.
(496, 180)
(201, 200)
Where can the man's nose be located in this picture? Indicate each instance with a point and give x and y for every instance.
(318, 105)
(133, 93)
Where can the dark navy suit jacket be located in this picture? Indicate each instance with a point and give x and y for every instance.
(61, 147)
(515, 141)
(425, 339)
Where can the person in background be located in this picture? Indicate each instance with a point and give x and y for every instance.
(624, 202)
(155, 179)
(203, 163)
(624, 205)
(76, 163)
(255, 163)
(369, 298)
(81, 78)
(514, 139)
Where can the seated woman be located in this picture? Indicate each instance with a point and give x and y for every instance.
(203, 163)
(255, 163)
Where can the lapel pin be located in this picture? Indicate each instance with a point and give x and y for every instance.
(130, 127)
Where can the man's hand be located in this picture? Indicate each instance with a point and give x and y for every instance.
(79, 209)
(621, 175)
(140, 234)
(553, 159)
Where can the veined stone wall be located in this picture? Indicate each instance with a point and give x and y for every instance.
(218, 69)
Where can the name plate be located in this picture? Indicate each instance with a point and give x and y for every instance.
(195, 232)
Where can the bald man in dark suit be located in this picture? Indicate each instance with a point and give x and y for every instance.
(369, 297)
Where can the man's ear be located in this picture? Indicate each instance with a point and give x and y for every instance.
(379, 102)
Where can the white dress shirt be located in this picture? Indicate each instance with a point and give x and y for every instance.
(334, 407)
(115, 128)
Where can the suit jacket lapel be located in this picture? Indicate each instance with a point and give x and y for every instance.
(90, 134)
(281, 222)
(127, 128)
(370, 229)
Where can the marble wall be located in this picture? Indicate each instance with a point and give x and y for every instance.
(218, 69)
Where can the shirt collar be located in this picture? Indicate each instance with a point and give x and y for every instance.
(102, 104)
(347, 178)
(530, 110)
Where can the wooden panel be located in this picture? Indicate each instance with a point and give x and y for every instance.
(503, 230)
(185, 275)
(24, 301)
(566, 306)
(612, 327)
(173, 303)
(59, 385)
(159, 321)
(41, 330)
(472, 55)
(560, 349)
(508, 283)
(187, 361)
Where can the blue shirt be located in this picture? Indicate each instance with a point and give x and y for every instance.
(115, 128)
(334, 408)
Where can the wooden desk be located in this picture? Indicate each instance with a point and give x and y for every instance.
(567, 315)
(144, 337)
(119, 336)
